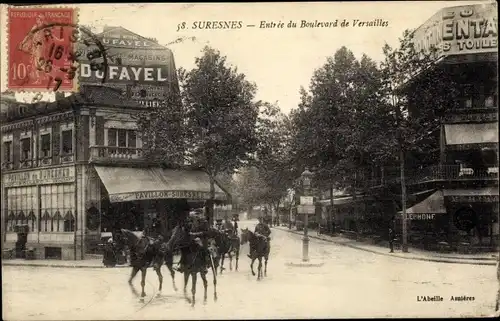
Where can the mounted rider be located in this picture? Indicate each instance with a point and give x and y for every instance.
(228, 227)
(262, 229)
(199, 230)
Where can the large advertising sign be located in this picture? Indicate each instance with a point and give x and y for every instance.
(460, 31)
(142, 69)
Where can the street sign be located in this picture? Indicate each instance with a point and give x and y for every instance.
(306, 200)
(306, 209)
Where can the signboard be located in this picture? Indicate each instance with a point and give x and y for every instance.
(306, 200)
(147, 195)
(306, 209)
(40, 177)
(475, 199)
(126, 74)
(141, 68)
(460, 30)
(421, 217)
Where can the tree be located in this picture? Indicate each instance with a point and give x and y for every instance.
(335, 118)
(267, 178)
(215, 127)
(273, 161)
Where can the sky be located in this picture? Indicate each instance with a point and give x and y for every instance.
(279, 61)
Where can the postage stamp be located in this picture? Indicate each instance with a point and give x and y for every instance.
(43, 49)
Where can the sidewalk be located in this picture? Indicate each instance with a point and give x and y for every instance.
(413, 254)
(92, 263)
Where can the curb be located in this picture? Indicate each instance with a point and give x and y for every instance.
(62, 265)
(492, 262)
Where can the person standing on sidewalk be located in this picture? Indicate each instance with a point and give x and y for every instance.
(392, 235)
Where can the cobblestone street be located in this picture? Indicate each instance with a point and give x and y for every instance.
(351, 283)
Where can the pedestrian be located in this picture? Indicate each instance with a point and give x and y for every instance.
(391, 236)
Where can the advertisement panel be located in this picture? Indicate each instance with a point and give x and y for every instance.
(142, 69)
(460, 31)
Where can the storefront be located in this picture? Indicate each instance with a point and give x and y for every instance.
(146, 199)
(40, 212)
(457, 217)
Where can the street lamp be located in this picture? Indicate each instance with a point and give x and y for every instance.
(306, 184)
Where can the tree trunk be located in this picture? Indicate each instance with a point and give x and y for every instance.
(331, 213)
(404, 236)
(209, 206)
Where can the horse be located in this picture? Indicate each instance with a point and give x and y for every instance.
(259, 248)
(144, 252)
(195, 260)
(227, 243)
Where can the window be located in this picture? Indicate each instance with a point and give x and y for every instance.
(122, 138)
(112, 137)
(67, 142)
(132, 138)
(7, 157)
(21, 207)
(57, 208)
(25, 148)
(45, 145)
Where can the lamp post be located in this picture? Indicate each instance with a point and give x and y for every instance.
(306, 184)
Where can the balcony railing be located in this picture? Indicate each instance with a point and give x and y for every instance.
(114, 153)
(7, 165)
(437, 173)
(26, 163)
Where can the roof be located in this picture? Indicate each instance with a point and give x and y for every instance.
(88, 95)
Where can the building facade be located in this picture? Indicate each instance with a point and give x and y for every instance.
(73, 169)
(453, 202)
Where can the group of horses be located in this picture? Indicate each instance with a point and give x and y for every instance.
(201, 251)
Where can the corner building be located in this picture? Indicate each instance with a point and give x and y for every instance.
(452, 202)
(73, 171)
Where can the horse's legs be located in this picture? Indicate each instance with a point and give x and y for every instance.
(265, 264)
(237, 255)
(214, 273)
(132, 276)
(205, 286)
(259, 271)
(160, 277)
(230, 261)
(143, 280)
(251, 266)
(169, 261)
(193, 287)
(223, 256)
(186, 278)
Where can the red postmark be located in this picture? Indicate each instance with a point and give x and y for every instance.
(41, 49)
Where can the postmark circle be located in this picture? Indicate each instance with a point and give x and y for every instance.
(54, 58)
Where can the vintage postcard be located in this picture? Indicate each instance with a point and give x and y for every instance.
(249, 160)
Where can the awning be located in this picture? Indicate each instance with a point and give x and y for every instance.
(343, 200)
(129, 184)
(479, 195)
(487, 191)
(426, 209)
(462, 134)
